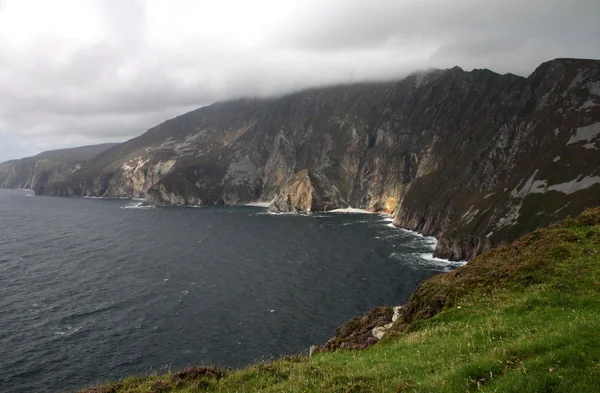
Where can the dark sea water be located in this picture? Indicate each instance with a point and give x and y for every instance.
(95, 290)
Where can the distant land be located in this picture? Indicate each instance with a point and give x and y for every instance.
(47, 167)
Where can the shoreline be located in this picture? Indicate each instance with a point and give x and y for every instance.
(257, 204)
(433, 241)
(387, 217)
(350, 210)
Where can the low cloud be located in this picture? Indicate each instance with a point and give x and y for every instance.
(76, 72)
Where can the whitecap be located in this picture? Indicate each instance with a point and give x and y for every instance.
(277, 213)
(357, 222)
(447, 264)
(257, 204)
(351, 210)
(68, 332)
(138, 206)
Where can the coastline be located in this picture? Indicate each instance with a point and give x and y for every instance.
(257, 204)
(350, 210)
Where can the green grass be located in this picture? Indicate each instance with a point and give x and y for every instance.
(522, 318)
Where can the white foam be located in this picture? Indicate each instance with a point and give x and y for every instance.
(430, 257)
(439, 262)
(351, 210)
(258, 204)
(279, 214)
(95, 197)
(430, 239)
(356, 222)
(69, 331)
(388, 222)
(138, 206)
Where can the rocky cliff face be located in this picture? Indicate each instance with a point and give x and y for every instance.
(308, 191)
(47, 167)
(473, 158)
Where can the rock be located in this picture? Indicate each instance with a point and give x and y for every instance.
(467, 157)
(307, 192)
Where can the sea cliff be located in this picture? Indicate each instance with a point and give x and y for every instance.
(473, 158)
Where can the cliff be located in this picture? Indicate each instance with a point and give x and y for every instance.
(47, 167)
(473, 158)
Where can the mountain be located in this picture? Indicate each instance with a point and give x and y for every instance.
(473, 158)
(49, 166)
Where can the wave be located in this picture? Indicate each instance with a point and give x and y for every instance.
(351, 210)
(68, 332)
(429, 257)
(357, 222)
(257, 204)
(138, 206)
(117, 198)
(279, 214)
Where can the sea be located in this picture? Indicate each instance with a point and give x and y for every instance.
(94, 290)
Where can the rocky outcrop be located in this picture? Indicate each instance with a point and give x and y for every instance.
(308, 191)
(360, 332)
(473, 158)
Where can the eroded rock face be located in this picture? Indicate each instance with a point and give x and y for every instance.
(361, 332)
(308, 191)
(473, 158)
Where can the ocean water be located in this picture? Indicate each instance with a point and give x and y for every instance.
(95, 290)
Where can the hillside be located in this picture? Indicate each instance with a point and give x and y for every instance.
(472, 158)
(520, 318)
(49, 166)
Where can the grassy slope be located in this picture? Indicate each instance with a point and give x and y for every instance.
(522, 318)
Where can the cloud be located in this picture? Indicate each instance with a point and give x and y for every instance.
(75, 72)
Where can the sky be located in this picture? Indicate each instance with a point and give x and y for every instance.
(77, 72)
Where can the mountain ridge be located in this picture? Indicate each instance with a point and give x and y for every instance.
(474, 158)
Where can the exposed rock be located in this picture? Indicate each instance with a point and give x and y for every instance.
(358, 333)
(380, 331)
(308, 192)
(448, 152)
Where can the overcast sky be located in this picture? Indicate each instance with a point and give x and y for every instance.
(76, 72)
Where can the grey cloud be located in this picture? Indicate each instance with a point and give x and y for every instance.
(464, 31)
(116, 88)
